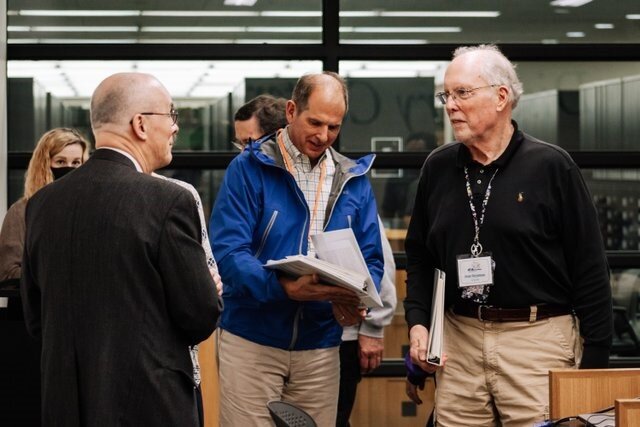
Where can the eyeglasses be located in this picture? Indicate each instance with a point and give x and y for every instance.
(459, 94)
(173, 114)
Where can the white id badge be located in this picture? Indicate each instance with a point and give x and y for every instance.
(474, 271)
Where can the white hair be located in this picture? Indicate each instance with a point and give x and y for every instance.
(496, 69)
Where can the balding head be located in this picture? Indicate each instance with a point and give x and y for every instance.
(121, 95)
(134, 112)
(327, 80)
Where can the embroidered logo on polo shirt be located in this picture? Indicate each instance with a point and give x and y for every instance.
(520, 197)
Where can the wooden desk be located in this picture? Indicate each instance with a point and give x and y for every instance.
(579, 391)
(627, 412)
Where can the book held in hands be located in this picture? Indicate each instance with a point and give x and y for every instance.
(340, 262)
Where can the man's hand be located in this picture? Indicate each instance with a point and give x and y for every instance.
(370, 352)
(348, 315)
(418, 338)
(412, 391)
(309, 288)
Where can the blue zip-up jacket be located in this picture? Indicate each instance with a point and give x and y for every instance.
(261, 214)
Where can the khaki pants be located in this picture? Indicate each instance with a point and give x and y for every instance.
(252, 374)
(497, 373)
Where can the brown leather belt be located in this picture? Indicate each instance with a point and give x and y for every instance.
(488, 313)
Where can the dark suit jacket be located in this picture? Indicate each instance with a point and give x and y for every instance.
(116, 283)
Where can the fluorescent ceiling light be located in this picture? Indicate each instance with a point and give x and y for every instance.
(575, 34)
(277, 41)
(73, 41)
(385, 41)
(239, 2)
(287, 14)
(198, 13)
(194, 29)
(420, 14)
(400, 29)
(88, 28)
(75, 12)
(444, 14)
(633, 16)
(569, 3)
(197, 29)
(604, 26)
(279, 29)
(549, 41)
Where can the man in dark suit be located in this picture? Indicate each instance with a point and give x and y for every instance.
(115, 279)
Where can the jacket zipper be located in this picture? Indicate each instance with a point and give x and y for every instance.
(272, 220)
(296, 320)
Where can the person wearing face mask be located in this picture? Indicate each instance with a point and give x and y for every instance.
(58, 152)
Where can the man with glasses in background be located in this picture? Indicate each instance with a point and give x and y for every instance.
(261, 116)
(511, 222)
(115, 280)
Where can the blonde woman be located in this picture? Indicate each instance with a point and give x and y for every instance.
(58, 152)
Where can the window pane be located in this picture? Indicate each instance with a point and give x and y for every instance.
(484, 21)
(615, 194)
(93, 21)
(46, 94)
(625, 288)
(577, 105)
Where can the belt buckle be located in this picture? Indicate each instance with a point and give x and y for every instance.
(533, 313)
(480, 312)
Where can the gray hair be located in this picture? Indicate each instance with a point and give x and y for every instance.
(496, 69)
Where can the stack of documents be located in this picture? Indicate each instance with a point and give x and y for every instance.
(340, 262)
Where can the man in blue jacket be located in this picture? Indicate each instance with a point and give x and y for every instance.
(279, 337)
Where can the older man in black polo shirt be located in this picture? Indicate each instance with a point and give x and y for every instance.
(516, 211)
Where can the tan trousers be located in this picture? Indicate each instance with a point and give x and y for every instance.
(497, 372)
(252, 375)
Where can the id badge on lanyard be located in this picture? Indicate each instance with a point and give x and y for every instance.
(475, 269)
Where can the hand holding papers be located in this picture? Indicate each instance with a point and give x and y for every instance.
(341, 263)
(436, 331)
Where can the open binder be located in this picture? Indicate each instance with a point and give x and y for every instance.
(436, 331)
(339, 263)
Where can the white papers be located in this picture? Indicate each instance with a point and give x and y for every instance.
(340, 263)
(340, 247)
(299, 265)
(436, 331)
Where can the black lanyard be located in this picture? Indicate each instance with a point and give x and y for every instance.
(476, 246)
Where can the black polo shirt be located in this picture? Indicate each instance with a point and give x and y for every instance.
(540, 226)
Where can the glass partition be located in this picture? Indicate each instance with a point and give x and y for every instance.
(46, 94)
(576, 105)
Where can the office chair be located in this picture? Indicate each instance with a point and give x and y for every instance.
(285, 414)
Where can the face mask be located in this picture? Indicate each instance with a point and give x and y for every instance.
(60, 172)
